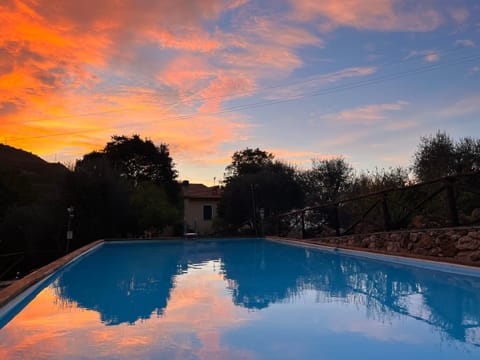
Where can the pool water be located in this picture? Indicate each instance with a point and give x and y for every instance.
(243, 299)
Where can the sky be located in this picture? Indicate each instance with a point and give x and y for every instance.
(303, 79)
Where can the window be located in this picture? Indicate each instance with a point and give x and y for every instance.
(207, 212)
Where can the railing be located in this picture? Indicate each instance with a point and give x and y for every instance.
(17, 264)
(446, 202)
(8, 262)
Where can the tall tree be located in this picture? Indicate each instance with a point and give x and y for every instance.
(467, 155)
(435, 157)
(326, 180)
(378, 180)
(439, 155)
(248, 161)
(257, 182)
(140, 160)
(135, 189)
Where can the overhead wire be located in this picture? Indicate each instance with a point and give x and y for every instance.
(248, 106)
(196, 96)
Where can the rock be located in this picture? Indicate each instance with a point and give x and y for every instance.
(414, 237)
(395, 237)
(449, 248)
(474, 234)
(379, 242)
(467, 243)
(392, 247)
(425, 242)
(404, 241)
(357, 241)
(365, 242)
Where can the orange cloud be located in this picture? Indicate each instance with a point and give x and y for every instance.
(386, 15)
(71, 77)
(366, 114)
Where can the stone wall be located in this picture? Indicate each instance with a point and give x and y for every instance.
(460, 245)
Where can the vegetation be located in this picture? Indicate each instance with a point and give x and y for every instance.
(130, 187)
(439, 155)
(256, 181)
(125, 189)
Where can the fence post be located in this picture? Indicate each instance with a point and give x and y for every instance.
(451, 202)
(386, 213)
(336, 220)
(303, 224)
(278, 225)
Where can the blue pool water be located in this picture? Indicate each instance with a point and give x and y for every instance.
(243, 299)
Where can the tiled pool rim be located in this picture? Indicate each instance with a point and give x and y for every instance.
(22, 288)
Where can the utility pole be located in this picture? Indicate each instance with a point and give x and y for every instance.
(70, 211)
(254, 208)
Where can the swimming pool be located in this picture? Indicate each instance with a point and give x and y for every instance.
(243, 299)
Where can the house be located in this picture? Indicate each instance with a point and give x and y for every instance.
(200, 207)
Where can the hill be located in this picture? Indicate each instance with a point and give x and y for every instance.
(30, 165)
(32, 209)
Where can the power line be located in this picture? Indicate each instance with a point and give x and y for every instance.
(316, 93)
(195, 96)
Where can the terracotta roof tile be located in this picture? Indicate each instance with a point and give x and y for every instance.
(200, 191)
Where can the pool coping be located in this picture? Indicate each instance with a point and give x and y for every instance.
(425, 262)
(36, 277)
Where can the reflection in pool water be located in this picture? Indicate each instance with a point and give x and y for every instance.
(244, 299)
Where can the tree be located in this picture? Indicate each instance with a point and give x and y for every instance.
(326, 180)
(100, 197)
(378, 180)
(126, 188)
(152, 209)
(435, 157)
(256, 182)
(247, 161)
(467, 155)
(438, 156)
(140, 160)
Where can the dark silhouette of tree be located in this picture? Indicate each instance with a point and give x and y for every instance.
(125, 189)
(140, 160)
(152, 208)
(100, 197)
(467, 155)
(257, 182)
(378, 180)
(326, 180)
(439, 155)
(247, 161)
(435, 157)
(32, 208)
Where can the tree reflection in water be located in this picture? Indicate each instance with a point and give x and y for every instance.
(130, 282)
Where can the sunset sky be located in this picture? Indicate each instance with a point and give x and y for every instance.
(302, 79)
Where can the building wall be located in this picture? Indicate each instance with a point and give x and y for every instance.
(194, 214)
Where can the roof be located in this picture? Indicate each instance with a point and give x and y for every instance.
(200, 191)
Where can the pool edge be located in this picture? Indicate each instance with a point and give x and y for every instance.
(17, 288)
(427, 262)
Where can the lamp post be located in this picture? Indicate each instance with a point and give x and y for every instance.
(262, 216)
(254, 208)
(70, 211)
